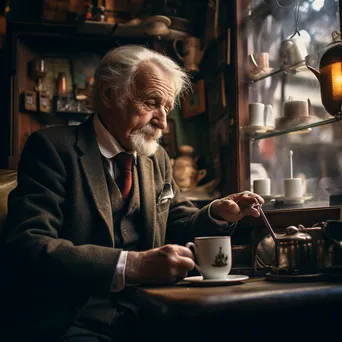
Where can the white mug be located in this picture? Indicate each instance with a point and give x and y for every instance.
(258, 62)
(268, 116)
(260, 115)
(213, 256)
(256, 114)
(293, 188)
(262, 186)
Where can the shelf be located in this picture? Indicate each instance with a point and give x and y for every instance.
(265, 75)
(273, 133)
(310, 59)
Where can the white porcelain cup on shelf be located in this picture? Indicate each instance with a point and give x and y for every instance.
(213, 256)
(258, 62)
(256, 114)
(293, 188)
(262, 186)
(269, 116)
(260, 115)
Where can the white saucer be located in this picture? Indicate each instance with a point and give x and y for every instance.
(269, 197)
(294, 200)
(287, 122)
(231, 279)
(261, 73)
(257, 129)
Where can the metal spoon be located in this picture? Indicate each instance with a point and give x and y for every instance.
(258, 206)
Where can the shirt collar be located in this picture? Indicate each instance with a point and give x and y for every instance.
(108, 145)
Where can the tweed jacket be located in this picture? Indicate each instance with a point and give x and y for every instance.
(58, 243)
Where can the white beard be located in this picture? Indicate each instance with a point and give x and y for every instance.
(141, 145)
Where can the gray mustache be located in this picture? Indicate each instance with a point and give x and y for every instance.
(150, 130)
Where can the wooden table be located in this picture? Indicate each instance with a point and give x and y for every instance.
(251, 308)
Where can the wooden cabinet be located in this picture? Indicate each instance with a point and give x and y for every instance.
(29, 42)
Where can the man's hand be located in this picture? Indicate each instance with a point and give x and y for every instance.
(162, 265)
(233, 207)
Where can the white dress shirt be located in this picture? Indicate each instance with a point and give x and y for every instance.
(109, 148)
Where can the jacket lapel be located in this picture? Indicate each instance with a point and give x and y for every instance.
(91, 163)
(148, 198)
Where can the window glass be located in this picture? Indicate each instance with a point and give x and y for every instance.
(280, 34)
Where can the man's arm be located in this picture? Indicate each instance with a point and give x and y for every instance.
(35, 222)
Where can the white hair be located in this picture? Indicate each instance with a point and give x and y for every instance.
(119, 67)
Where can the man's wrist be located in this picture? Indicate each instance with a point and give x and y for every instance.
(212, 211)
(133, 263)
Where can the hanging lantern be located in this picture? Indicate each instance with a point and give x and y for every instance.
(329, 76)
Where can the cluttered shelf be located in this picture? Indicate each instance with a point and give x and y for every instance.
(134, 29)
(79, 29)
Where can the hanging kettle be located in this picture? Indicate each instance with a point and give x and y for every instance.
(330, 79)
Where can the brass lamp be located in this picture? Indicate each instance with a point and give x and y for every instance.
(330, 79)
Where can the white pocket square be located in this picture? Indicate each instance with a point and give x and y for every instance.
(166, 194)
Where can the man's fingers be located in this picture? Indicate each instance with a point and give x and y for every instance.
(182, 257)
(184, 251)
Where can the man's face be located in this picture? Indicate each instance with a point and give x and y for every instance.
(138, 125)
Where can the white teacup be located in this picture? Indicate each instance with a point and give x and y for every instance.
(213, 256)
(293, 188)
(262, 186)
(268, 116)
(256, 114)
(260, 115)
(258, 62)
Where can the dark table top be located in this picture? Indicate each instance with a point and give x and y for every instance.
(184, 299)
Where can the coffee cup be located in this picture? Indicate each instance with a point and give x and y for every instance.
(262, 186)
(260, 115)
(293, 188)
(213, 256)
(258, 62)
(268, 116)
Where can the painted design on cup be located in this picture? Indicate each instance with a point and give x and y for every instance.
(220, 259)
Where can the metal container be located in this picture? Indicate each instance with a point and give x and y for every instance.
(333, 233)
(294, 251)
(290, 252)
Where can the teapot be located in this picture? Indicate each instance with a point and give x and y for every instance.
(185, 171)
(323, 242)
(192, 52)
(328, 74)
(291, 251)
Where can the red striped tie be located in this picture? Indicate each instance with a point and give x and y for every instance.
(124, 162)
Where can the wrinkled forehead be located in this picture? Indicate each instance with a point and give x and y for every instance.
(150, 77)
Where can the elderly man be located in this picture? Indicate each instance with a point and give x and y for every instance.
(96, 207)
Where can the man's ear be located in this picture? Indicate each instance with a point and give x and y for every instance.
(106, 94)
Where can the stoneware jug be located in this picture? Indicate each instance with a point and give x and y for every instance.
(192, 52)
(185, 171)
